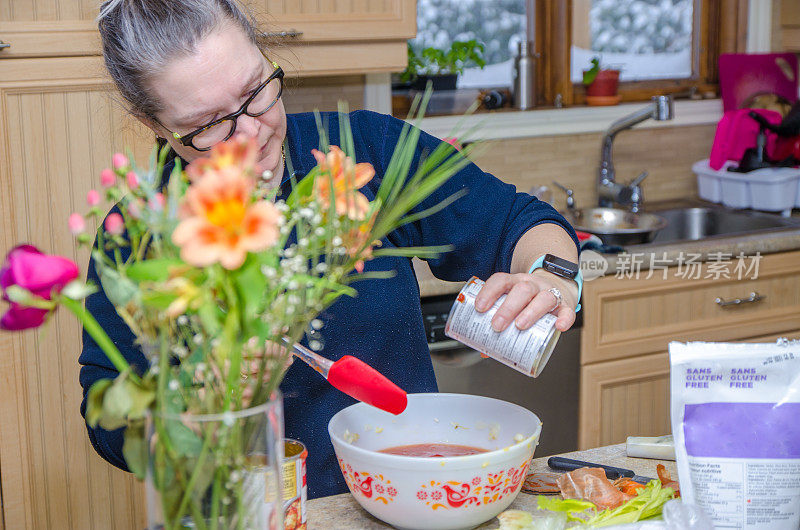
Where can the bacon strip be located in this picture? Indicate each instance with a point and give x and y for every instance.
(590, 484)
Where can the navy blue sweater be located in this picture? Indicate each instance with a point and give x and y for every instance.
(383, 324)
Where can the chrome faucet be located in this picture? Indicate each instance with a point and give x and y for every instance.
(609, 191)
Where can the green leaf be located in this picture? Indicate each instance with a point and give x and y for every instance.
(590, 74)
(94, 401)
(134, 450)
(211, 318)
(183, 439)
(152, 270)
(158, 300)
(117, 403)
(119, 289)
(250, 286)
(141, 399)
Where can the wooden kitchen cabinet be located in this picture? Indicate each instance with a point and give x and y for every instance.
(59, 127)
(333, 37)
(628, 324)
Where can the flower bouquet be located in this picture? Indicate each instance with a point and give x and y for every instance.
(213, 275)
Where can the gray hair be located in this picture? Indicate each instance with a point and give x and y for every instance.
(140, 37)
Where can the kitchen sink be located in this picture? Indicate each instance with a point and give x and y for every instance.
(703, 222)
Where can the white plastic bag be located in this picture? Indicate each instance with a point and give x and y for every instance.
(736, 423)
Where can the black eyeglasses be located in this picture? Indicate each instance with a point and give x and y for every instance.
(259, 102)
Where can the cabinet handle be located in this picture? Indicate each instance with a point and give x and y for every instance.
(4, 45)
(288, 34)
(754, 297)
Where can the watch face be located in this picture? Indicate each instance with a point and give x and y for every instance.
(560, 266)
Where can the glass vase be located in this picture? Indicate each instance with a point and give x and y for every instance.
(216, 471)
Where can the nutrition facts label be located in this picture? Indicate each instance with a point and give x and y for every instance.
(767, 490)
(521, 349)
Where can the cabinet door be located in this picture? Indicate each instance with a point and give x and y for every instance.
(331, 37)
(48, 28)
(321, 37)
(636, 316)
(630, 397)
(58, 130)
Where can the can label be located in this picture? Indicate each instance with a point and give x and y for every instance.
(520, 349)
(294, 485)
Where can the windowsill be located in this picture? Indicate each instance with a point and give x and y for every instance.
(573, 120)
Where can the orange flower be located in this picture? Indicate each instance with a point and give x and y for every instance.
(347, 179)
(240, 153)
(220, 221)
(358, 237)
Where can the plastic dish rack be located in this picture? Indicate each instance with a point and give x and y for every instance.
(770, 189)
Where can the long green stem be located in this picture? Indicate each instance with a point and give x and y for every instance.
(100, 337)
(187, 492)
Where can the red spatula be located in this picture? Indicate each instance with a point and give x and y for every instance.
(357, 379)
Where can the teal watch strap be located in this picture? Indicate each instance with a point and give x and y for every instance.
(578, 279)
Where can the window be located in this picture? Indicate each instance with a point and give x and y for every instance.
(498, 24)
(644, 39)
(661, 46)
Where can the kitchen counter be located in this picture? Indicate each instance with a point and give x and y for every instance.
(342, 511)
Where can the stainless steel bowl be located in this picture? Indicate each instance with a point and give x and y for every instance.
(616, 227)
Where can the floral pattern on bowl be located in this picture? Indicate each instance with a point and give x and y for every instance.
(478, 491)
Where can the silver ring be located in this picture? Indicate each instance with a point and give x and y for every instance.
(557, 294)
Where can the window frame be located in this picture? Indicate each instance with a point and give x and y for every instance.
(720, 27)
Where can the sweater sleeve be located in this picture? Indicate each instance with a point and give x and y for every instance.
(483, 226)
(95, 365)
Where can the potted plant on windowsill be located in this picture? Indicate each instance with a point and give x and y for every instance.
(441, 66)
(601, 84)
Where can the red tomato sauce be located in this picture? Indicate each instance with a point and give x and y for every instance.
(433, 450)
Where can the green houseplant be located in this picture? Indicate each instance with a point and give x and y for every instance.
(441, 66)
(601, 84)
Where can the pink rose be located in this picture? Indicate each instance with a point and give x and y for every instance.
(76, 224)
(92, 198)
(132, 180)
(41, 274)
(119, 161)
(114, 224)
(107, 178)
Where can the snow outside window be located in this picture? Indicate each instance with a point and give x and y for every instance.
(645, 39)
(498, 24)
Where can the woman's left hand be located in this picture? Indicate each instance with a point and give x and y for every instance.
(528, 299)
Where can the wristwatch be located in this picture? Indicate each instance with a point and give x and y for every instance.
(560, 267)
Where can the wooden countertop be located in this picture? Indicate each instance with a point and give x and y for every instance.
(342, 511)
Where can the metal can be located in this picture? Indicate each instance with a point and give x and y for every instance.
(294, 484)
(525, 350)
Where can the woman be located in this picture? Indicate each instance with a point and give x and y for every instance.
(183, 65)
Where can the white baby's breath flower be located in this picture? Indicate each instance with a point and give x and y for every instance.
(227, 418)
(292, 285)
(317, 324)
(315, 345)
(302, 242)
(289, 252)
(337, 241)
(198, 339)
(322, 267)
(174, 385)
(183, 320)
(319, 231)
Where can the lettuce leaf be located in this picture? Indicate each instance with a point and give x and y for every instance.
(648, 503)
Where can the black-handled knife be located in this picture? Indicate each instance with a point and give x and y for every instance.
(567, 464)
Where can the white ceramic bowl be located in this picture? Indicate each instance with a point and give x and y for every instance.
(436, 493)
